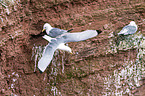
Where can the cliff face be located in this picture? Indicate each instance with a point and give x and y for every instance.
(93, 68)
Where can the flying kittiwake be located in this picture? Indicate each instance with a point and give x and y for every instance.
(59, 43)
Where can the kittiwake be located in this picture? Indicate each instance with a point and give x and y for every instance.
(59, 42)
(131, 28)
(53, 32)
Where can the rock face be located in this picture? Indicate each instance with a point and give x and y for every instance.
(95, 60)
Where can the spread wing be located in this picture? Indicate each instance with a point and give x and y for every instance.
(47, 55)
(79, 36)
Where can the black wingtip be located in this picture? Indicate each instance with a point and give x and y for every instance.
(99, 31)
(69, 30)
(40, 71)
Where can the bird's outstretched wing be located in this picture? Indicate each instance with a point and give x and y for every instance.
(79, 36)
(47, 55)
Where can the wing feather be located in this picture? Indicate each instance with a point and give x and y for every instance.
(128, 30)
(56, 32)
(47, 55)
(79, 36)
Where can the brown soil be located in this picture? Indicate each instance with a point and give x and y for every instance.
(92, 60)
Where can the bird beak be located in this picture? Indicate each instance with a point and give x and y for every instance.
(43, 30)
(71, 53)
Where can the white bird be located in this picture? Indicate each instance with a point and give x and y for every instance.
(50, 31)
(53, 32)
(58, 43)
(131, 28)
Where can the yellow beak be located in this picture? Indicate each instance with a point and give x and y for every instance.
(71, 53)
(43, 30)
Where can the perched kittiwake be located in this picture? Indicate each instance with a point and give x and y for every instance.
(53, 32)
(58, 43)
(129, 29)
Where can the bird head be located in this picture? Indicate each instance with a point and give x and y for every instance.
(69, 50)
(47, 27)
(132, 23)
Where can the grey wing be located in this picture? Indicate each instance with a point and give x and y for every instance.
(47, 55)
(79, 36)
(128, 30)
(56, 32)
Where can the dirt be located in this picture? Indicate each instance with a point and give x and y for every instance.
(17, 69)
